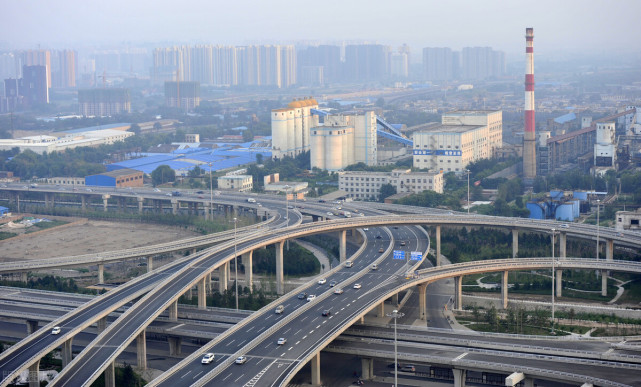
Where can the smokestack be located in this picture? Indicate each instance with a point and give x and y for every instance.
(529, 141)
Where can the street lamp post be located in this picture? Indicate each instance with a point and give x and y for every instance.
(598, 210)
(236, 262)
(395, 315)
(468, 190)
(287, 187)
(553, 284)
(211, 195)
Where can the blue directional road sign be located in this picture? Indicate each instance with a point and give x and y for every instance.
(416, 256)
(399, 254)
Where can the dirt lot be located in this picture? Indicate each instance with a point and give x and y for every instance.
(90, 237)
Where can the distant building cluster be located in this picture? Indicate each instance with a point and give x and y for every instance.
(472, 63)
(182, 95)
(290, 128)
(463, 137)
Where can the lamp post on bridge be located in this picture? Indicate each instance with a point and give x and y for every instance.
(468, 190)
(211, 194)
(236, 262)
(395, 315)
(598, 210)
(553, 284)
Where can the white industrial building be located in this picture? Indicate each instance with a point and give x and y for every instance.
(233, 182)
(367, 185)
(291, 126)
(47, 144)
(605, 147)
(344, 139)
(462, 137)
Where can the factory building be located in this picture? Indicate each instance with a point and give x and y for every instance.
(462, 137)
(117, 178)
(604, 148)
(239, 183)
(365, 185)
(291, 128)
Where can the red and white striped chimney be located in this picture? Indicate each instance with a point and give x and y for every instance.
(529, 140)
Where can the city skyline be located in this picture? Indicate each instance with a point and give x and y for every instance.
(568, 27)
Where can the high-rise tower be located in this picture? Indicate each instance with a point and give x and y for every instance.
(529, 141)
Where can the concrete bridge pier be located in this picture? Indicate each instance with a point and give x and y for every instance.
(49, 200)
(342, 245)
(202, 296)
(110, 376)
(504, 289)
(422, 288)
(222, 277)
(458, 292)
(395, 299)
(101, 324)
(459, 377)
(174, 206)
(122, 204)
(249, 275)
(150, 263)
(380, 309)
(24, 276)
(315, 363)
(32, 326)
(141, 202)
(208, 282)
(101, 273)
(67, 354)
(175, 345)
(34, 374)
(367, 368)
(141, 350)
(206, 210)
(173, 311)
(188, 294)
(563, 237)
(609, 256)
(279, 268)
(83, 202)
(105, 202)
(438, 245)
(559, 273)
(515, 243)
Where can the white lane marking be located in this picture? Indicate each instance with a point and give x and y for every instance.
(227, 345)
(227, 377)
(298, 331)
(256, 378)
(297, 342)
(330, 317)
(185, 374)
(317, 326)
(312, 331)
(342, 308)
(239, 377)
(304, 337)
(459, 357)
(250, 329)
(289, 329)
(290, 348)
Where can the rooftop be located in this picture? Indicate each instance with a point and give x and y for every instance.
(450, 129)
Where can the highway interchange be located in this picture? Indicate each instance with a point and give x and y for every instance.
(267, 361)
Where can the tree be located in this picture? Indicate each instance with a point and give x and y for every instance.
(135, 128)
(386, 190)
(259, 158)
(248, 135)
(162, 174)
(157, 126)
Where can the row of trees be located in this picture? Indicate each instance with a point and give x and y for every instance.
(297, 261)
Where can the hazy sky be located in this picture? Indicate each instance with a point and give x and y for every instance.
(569, 25)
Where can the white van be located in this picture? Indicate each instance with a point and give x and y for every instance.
(375, 266)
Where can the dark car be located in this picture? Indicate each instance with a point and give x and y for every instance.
(322, 201)
(327, 312)
(200, 192)
(378, 237)
(302, 296)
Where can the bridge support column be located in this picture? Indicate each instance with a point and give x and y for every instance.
(32, 326)
(141, 201)
(438, 245)
(279, 268)
(514, 378)
(174, 206)
(528, 382)
(83, 202)
(105, 202)
(609, 255)
(249, 275)
(202, 296)
(67, 353)
(208, 282)
(175, 344)
(380, 309)
(101, 273)
(173, 311)
(188, 294)
(395, 299)
(504, 287)
(150, 263)
(34, 374)
(17, 202)
(367, 368)
(458, 292)
(101, 324)
(222, 278)
(515, 243)
(207, 210)
(342, 245)
(459, 377)
(315, 363)
(24, 276)
(422, 301)
(563, 245)
(559, 283)
(141, 350)
(110, 376)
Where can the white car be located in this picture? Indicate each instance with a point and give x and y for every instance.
(322, 281)
(357, 286)
(207, 358)
(241, 360)
(280, 309)
(55, 330)
(281, 341)
(366, 229)
(311, 297)
(338, 291)
(348, 263)
(330, 213)
(156, 190)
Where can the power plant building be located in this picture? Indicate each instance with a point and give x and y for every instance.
(605, 148)
(291, 128)
(462, 137)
